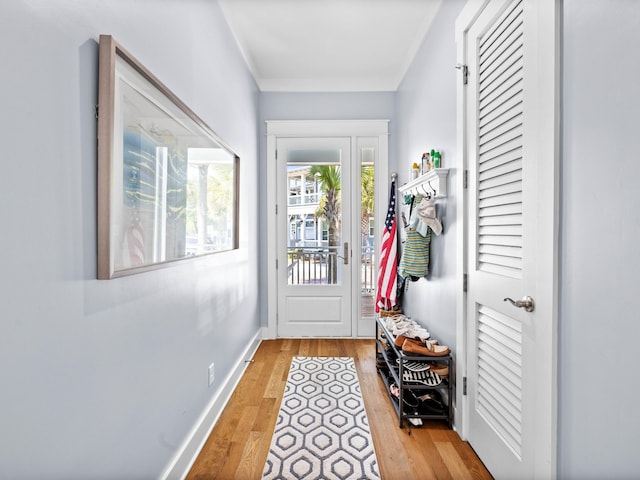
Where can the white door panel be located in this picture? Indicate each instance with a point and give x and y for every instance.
(510, 351)
(314, 276)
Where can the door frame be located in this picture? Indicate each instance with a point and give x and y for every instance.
(547, 133)
(309, 129)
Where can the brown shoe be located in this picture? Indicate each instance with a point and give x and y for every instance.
(439, 368)
(401, 338)
(424, 348)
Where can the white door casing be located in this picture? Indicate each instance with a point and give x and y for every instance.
(363, 134)
(507, 133)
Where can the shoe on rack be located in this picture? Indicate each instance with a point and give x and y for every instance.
(431, 407)
(392, 321)
(427, 378)
(432, 404)
(391, 353)
(426, 348)
(432, 395)
(395, 391)
(409, 399)
(439, 368)
(401, 327)
(414, 366)
(418, 332)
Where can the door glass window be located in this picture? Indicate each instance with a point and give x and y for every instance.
(367, 240)
(315, 244)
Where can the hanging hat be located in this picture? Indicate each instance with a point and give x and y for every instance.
(427, 213)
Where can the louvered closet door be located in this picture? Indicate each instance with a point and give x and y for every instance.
(502, 242)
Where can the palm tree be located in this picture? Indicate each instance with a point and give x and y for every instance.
(329, 178)
(367, 194)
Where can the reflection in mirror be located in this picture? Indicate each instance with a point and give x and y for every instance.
(167, 184)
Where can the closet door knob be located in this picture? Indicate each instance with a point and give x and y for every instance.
(526, 303)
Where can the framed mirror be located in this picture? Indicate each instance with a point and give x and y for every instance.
(167, 185)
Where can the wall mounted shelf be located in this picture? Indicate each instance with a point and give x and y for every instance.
(434, 183)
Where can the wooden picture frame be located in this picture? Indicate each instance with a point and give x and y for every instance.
(167, 184)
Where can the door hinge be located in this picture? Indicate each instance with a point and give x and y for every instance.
(465, 179)
(465, 73)
(276, 154)
(97, 110)
(276, 209)
(465, 282)
(276, 263)
(464, 385)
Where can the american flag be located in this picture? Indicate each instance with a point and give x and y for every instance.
(386, 294)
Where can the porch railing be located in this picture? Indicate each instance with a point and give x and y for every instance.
(306, 199)
(312, 266)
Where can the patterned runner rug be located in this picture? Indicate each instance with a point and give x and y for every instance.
(322, 430)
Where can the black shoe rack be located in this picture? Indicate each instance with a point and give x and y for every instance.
(392, 371)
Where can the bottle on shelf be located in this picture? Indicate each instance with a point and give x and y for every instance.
(415, 171)
(437, 160)
(426, 162)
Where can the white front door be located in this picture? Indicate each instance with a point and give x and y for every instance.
(314, 237)
(511, 141)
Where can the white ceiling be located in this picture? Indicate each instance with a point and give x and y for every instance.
(329, 45)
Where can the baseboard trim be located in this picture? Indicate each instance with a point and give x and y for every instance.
(186, 455)
(269, 333)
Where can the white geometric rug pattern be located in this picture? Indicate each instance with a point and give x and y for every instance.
(322, 430)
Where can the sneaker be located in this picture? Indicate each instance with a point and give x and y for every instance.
(417, 332)
(414, 366)
(427, 377)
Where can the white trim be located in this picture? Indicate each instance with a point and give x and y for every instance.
(323, 128)
(547, 41)
(465, 20)
(271, 330)
(310, 129)
(547, 84)
(186, 455)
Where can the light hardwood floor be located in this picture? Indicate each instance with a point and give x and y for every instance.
(238, 445)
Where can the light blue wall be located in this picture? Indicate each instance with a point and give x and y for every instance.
(599, 263)
(426, 117)
(599, 384)
(317, 106)
(105, 379)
